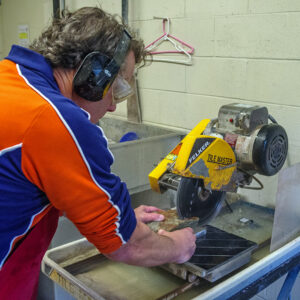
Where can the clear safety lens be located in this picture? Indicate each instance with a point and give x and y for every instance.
(121, 90)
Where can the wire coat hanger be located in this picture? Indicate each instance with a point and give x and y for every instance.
(173, 40)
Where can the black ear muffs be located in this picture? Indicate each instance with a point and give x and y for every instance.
(97, 71)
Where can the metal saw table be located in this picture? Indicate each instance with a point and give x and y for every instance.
(86, 274)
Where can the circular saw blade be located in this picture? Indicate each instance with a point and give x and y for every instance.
(192, 200)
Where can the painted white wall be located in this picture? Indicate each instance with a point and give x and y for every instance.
(34, 13)
(246, 51)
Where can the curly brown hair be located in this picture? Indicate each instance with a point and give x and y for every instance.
(70, 38)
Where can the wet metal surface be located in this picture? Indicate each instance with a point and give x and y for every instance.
(258, 228)
(113, 280)
(229, 244)
(179, 291)
(216, 247)
(86, 272)
(218, 253)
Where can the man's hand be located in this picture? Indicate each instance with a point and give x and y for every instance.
(185, 243)
(148, 214)
(146, 248)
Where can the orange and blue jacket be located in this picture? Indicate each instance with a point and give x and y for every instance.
(52, 155)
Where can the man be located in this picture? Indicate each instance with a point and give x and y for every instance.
(53, 158)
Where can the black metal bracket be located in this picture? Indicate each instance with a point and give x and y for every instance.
(125, 11)
(56, 9)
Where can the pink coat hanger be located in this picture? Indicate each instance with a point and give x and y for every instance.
(172, 39)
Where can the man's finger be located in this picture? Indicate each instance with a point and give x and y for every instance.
(150, 209)
(189, 229)
(161, 232)
(152, 217)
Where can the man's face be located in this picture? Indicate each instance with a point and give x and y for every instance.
(98, 109)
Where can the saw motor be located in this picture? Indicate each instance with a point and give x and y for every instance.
(221, 155)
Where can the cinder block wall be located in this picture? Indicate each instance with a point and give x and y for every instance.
(246, 51)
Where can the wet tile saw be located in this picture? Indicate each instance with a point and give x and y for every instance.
(221, 155)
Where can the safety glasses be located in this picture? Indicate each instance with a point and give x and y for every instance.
(121, 89)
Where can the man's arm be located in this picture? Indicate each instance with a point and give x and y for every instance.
(146, 248)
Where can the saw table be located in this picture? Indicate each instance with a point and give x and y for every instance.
(86, 274)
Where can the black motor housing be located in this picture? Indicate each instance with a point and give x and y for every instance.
(270, 149)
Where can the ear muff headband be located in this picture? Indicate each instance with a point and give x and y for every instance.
(97, 71)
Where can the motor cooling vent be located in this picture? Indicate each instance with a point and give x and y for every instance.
(270, 149)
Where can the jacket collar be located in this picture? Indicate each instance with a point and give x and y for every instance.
(31, 60)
